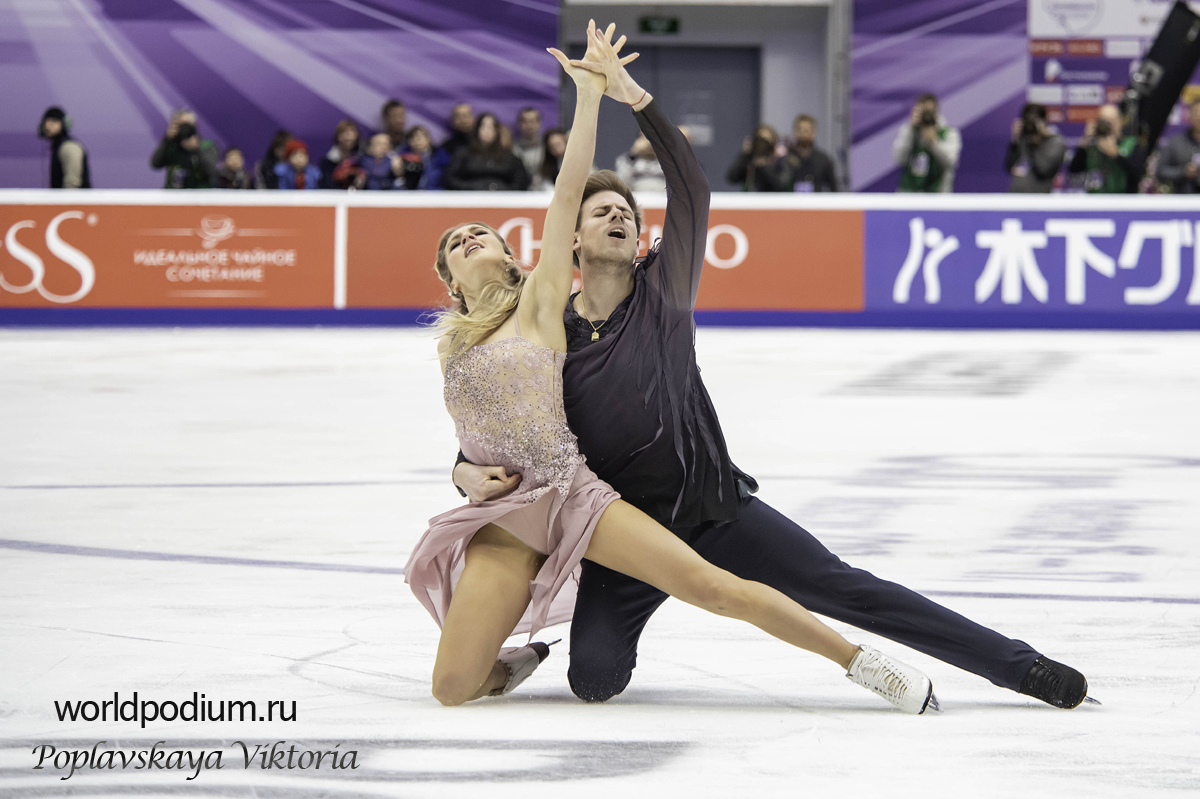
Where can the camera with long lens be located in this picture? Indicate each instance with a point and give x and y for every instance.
(185, 131)
(927, 119)
(1103, 129)
(761, 147)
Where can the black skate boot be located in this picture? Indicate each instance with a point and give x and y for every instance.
(1055, 684)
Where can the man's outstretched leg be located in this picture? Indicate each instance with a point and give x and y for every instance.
(611, 610)
(766, 546)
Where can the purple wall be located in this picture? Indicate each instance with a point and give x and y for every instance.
(249, 67)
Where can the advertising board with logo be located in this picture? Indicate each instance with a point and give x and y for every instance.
(1061, 262)
(170, 256)
(1082, 53)
(755, 259)
(838, 260)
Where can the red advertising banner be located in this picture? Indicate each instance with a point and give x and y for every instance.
(756, 259)
(166, 256)
(366, 258)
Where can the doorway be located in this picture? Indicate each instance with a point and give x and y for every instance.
(713, 91)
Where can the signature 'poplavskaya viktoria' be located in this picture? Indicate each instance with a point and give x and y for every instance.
(277, 755)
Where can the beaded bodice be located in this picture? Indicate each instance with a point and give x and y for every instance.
(506, 398)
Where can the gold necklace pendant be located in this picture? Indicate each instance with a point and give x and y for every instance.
(595, 328)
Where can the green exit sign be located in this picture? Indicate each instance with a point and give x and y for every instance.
(658, 25)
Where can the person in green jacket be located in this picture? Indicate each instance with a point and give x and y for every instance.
(1106, 161)
(190, 162)
(927, 148)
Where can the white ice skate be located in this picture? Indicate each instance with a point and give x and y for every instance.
(521, 661)
(901, 684)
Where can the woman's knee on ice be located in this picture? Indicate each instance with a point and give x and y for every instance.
(453, 687)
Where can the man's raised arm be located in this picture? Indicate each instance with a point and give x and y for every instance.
(685, 232)
(676, 271)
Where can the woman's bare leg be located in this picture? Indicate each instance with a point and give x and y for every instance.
(488, 601)
(629, 541)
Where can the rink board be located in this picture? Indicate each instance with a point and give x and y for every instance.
(154, 257)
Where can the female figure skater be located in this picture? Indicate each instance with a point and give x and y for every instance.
(489, 569)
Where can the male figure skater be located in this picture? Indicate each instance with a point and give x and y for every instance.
(634, 398)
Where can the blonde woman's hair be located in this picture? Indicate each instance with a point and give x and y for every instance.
(498, 300)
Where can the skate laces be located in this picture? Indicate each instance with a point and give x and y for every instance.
(1055, 683)
(876, 671)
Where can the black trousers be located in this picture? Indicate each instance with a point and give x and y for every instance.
(765, 546)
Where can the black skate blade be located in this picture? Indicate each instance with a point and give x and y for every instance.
(1092, 701)
(543, 650)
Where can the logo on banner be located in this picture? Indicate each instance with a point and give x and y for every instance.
(60, 249)
(212, 262)
(215, 229)
(1012, 266)
(1076, 17)
(1054, 72)
(926, 249)
(525, 243)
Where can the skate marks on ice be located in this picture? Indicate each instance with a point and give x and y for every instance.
(1014, 471)
(1058, 540)
(987, 374)
(1068, 520)
(212, 560)
(382, 763)
(414, 476)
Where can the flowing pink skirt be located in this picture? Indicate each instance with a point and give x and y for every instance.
(556, 526)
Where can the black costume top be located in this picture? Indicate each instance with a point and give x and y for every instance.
(634, 398)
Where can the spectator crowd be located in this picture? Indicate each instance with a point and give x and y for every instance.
(483, 154)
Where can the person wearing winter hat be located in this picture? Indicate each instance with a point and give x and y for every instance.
(294, 171)
(68, 158)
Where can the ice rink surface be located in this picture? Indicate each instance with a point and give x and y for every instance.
(227, 511)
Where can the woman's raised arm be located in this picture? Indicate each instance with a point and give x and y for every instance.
(549, 287)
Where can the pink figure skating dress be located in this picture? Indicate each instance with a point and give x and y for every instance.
(506, 401)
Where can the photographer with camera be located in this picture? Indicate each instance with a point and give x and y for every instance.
(928, 149)
(1106, 161)
(760, 166)
(1035, 154)
(191, 162)
(1179, 159)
